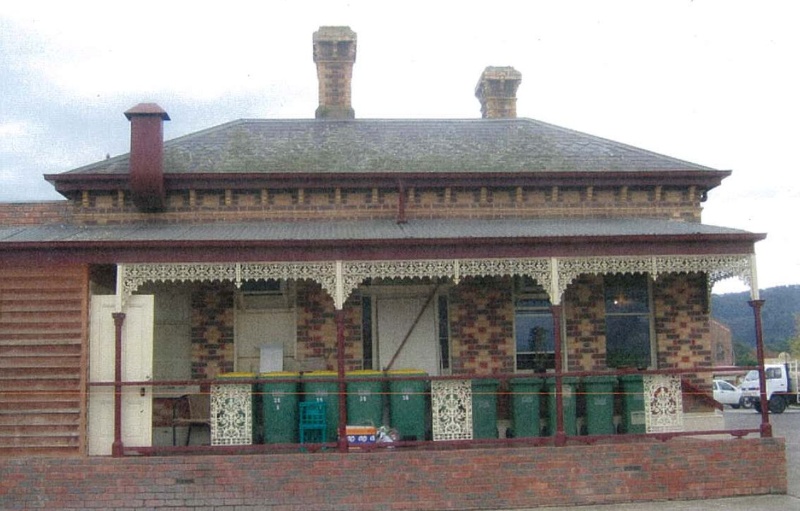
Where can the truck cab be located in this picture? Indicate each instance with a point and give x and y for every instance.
(781, 379)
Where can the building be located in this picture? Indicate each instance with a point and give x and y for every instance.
(473, 250)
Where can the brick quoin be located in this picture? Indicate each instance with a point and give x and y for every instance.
(490, 478)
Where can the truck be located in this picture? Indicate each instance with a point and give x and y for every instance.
(782, 384)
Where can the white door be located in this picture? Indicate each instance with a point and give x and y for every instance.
(137, 365)
(395, 319)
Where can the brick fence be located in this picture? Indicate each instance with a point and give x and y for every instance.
(480, 478)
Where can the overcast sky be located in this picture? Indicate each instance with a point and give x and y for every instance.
(711, 82)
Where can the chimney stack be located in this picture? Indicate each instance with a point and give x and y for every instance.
(147, 156)
(497, 92)
(334, 54)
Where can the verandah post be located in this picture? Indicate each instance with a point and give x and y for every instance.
(116, 447)
(339, 315)
(766, 427)
(560, 435)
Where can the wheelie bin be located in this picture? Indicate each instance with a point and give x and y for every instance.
(407, 399)
(525, 409)
(278, 407)
(632, 390)
(570, 405)
(599, 391)
(324, 390)
(484, 408)
(364, 398)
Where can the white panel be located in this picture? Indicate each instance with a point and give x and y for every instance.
(258, 328)
(395, 317)
(137, 358)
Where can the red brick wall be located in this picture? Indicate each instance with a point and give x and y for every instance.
(316, 327)
(490, 478)
(482, 326)
(585, 324)
(192, 206)
(212, 330)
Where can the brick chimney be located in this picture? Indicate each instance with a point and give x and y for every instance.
(334, 54)
(497, 92)
(147, 156)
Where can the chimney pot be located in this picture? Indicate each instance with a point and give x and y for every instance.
(497, 92)
(147, 156)
(334, 54)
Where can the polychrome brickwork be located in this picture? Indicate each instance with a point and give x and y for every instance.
(584, 321)
(212, 325)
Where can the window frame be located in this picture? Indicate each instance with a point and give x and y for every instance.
(648, 314)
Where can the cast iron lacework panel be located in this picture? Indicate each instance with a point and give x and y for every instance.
(341, 278)
(231, 415)
(451, 402)
(663, 403)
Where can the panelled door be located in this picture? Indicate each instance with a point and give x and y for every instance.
(137, 365)
(412, 345)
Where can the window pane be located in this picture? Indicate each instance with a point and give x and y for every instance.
(628, 341)
(534, 333)
(626, 294)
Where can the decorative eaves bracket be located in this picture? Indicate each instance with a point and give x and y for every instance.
(340, 278)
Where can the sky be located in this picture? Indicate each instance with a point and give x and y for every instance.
(713, 82)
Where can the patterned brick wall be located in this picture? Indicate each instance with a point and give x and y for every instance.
(488, 478)
(115, 207)
(482, 326)
(212, 325)
(316, 327)
(683, 331)
(585, 326)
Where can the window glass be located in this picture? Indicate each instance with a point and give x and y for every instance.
(533, 327)
(628, 321)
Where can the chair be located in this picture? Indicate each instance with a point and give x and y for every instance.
(313, 422)
(199, 408)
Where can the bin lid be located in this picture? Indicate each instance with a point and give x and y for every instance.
(237, 375)
(406, 372)
(600, 379)
(567, 380)
(320, 374)
(279, 374)
(362, 373)
(530, 380)
(630, 377)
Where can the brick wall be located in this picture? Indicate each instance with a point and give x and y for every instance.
(113, 207)
(489, 478)
(585, 324)
(212, 325)
(316, 327)
(482, 326)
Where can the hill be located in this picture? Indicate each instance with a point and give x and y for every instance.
(781, 307)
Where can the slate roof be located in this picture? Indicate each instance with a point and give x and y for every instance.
(482, 146)
(463, 229)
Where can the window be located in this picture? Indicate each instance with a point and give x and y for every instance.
(444, 332)
(533, 327)
(628, 321)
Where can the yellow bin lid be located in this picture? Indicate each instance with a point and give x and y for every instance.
(237, 375)
(406, 372)
(279, 374)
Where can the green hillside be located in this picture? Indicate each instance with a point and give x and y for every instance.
(781, 307)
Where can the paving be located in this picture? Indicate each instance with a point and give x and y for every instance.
(785, 425)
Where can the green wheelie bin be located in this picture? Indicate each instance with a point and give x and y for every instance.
(632, 389)
(599, 391)
(324, 390)
(279, 407)
(525, 409)
(569, 385)
(364, 398)
(407, 403)
(484, 408)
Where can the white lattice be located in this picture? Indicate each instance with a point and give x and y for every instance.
(231, 415)
(451, 402)
(341, 278)
(663, 403)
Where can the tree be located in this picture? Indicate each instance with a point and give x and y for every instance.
(794, 343)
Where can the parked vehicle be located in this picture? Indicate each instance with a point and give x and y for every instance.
(782, 389)
(727, 394)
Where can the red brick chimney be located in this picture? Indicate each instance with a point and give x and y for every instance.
(334, 54)
(497, 92)
(147, 156)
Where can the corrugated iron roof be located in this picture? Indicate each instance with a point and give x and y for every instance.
(466, 229)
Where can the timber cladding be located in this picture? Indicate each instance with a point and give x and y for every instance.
(43, 312)
(488, 478)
